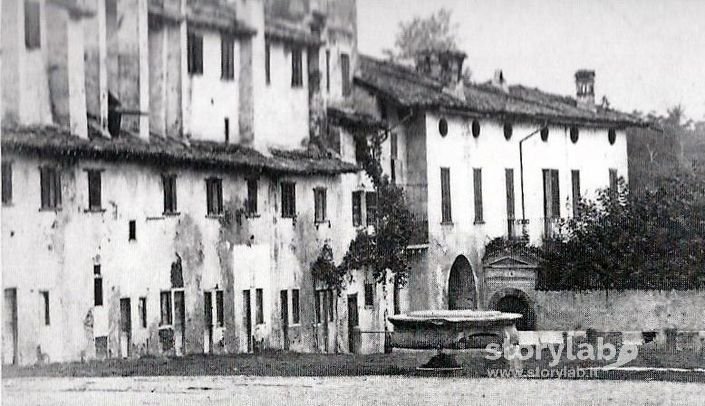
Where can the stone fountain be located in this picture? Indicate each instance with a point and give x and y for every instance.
(452, 329)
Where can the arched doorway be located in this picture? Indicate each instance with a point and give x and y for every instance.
(515, 301)
(461, 285)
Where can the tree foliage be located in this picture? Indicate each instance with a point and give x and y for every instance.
(323, 270)
(421, 33)
(654, 239)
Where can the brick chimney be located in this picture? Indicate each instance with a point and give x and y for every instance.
(446, 66)
(585, 89)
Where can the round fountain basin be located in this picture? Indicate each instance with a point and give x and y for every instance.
(453, 329)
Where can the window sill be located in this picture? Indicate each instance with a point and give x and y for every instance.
(252, 215)
(479, 222)
(94, 210)
(50, 209)
(171, 214)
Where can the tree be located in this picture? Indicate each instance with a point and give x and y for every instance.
(422, 33)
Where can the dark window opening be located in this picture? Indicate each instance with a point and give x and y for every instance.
(574, 134)
(357, 208)
(544, 134)
(259, 306)
(32, 24)
(227, 58)
(267, 62)
(133, 230)
(295, 307)
(393, 145)
(297, 77)
(97, 286)
(226, 125)
(360, 149)
(328, 70)
(45, 302)
(50, 180)
(611, 135)
(219, 318)
(446, 215)
(369, 294)
(194, 43)
(165, 306)
(318, 306)
(94, 190)
(475, 128)
(575, 184)
(508, 130)
(345, 72)
(169, 184)
(214, 196)
(319, 197)
(251, 205)
(142, 310)
(443, 127)
(613, 180)
(288, 199)
(509, 183)
(552, 202)
(331, 306)
(371, 205)
(477, 189)
(6, 183)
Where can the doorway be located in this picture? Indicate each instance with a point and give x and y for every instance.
(208, 322)
(517, 304)
(125, 327)
(284, 300)
(353, 324)
(461, 285)
(247, 317)
(9, 328)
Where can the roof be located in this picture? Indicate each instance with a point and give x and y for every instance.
(212, 14)
(353, 118)
(57, 141)
(412, 89)
(285, 31)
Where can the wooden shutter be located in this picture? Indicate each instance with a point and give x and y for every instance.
(227, 57)
(267, 68)
(556, 195)
(345, 72)
(6, 182)
(446, 215)
(575, 184)
(94, 190)
(477, 186)
(509, 183)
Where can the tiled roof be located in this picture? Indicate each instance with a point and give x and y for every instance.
(409, 88)
(212, 14)
(285, 31)
(56, 141)
(353, 118)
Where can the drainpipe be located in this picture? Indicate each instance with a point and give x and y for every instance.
(521, 172)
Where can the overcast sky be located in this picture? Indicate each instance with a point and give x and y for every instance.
(647, 54)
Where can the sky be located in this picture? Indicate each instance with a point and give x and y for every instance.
(648, 55)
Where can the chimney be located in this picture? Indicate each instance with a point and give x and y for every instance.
(499, 81)
(585, 89)
(446, 66)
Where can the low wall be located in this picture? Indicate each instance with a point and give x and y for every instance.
(633, 310)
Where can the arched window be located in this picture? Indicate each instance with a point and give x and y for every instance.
(443, 127)
(574, 134)
(475, 128)
(544, 134)
(508, 129)
(612, 135)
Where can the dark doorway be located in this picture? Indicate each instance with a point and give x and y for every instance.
(353, 323)
(516, 304)
(208, 320)
(247, 317)
(9, 328)
(125, 327)
(461, 285)
(284, 300)
(179, 322)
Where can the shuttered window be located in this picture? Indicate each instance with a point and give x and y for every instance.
(345, 72)
(288, 199)
(214, 196)
(357, 208)
(227, 57)
(575, 185)
(195, 53)
(169, 185)
(94, 190)
(297, 77)
(50, 180)
(319, 197)
(6, 183)
(551, 193)
(446, 215)
(32, 24)
(477, 189)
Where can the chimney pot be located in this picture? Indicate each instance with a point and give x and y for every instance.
(585, 89)
(446, 66)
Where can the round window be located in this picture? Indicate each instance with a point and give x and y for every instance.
(612, 135)
(508, 130)
(544, 134)
(443, 127)
(475, 128)
(574, 134)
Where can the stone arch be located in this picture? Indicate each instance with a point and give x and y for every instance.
(461, 285)
(513, 300)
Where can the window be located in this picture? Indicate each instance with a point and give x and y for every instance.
(94, 190)
(393, 147)
(544, 134)
(50, 180)
(169, 184)
(369, 294)
(251, 205)
(6, 183)
(475, 128)
(219, 319)
(227, 58)
(443, 127)
(331, 306)
(45, 302)
(165, 305)
(295, 307)
(319, 197)
(226, 129)
(288, 199)
(371, 203)
(195, 53)
(32, 24)
(142, 310)
(214, 196)
(575, 184)
(574, 134)
(446, 215)
(508, 130)
(297, 76)
(357, 208)
(611, 136)
(477, 188)
(509, 183)
(328, 70)
(259, 306)
(318, 306)
(613, 180)
(345, 72)
(97, 286)
(360, 149)
(267, 69)
(132, 230)
(551, 193)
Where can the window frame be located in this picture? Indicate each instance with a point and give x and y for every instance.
(446, 203)
(227, 57)
(194, 52)
(50, 187)
(165, 305)
(214, 197)
(477, 196)
(288, 199)
(252, 197)
(297, 67)
(6, 182)
(95, 192)
(32, 25)
(169, 189)
(320, 202)
(346, 83)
